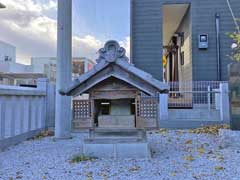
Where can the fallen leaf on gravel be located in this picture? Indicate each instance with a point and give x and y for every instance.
(180, 132)
(219, 168)
(134, 168)
(189, 149)
(162, 131)
(210, 152)
(102, 174)
(42, 134)
(173, 174)
(18, 172)
(209, 129)
(188, 142)
(81, 158)
(220, 157)
(201, 150)
(89, 176)
(196, 177)
(220, 147)
(189, 158)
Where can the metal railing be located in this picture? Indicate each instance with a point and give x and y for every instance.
(196, 94)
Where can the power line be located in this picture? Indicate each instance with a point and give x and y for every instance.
(233, 16)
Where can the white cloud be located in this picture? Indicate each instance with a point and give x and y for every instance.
(51, 5)
(24, 25)
(87, 45)
(126, 45)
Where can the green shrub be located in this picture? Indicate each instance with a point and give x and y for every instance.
(235, 46)
(82, 158)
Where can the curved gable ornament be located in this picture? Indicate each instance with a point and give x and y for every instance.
(111, 52)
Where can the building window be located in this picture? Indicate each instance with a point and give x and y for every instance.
(105, 108)
(133, 107)
(7, 58)
(78, 67)
(182, 39)
(182, 58)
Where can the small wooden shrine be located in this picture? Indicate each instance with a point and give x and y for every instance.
(115, 87)
(115, 112)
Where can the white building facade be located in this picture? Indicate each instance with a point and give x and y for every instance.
(7, 52)
(13, 73)
(8, 65)
(47, 65)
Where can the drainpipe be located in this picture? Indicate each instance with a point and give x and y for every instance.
(217, 18)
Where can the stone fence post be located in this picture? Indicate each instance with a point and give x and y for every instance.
(234, 84)
(51, 99)
(42, 84)
(163, 107)
(224, 102)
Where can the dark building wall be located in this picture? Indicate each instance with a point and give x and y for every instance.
(203, 21)
(146, 35)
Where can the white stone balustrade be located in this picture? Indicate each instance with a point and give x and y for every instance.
(23, 112)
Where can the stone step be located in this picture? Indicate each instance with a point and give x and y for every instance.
(117, 133)
(113, 140)
(117, 150)
(116, 129)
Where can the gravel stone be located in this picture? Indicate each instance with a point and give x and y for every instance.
(177, 154)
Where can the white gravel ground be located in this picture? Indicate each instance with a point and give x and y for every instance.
(177, 155)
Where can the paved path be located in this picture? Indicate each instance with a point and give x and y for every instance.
(177, 155)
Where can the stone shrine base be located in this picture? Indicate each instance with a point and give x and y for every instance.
(117, 144)
(229, 138)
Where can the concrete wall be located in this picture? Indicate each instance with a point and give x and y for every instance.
(146, 31)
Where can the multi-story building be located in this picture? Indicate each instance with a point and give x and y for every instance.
(47, 65)
(191, 35)
(13, 73)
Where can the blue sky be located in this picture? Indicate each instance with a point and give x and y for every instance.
(105, 19)
(30, 25)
